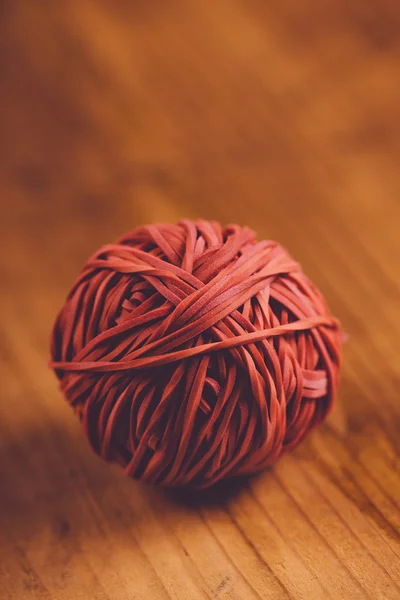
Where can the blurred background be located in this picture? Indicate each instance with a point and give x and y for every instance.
(281, 115)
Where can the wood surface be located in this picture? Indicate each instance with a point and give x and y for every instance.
(284, 115)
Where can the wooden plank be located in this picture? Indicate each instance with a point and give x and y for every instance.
(281, 115)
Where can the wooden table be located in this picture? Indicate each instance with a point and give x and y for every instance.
(284, 115)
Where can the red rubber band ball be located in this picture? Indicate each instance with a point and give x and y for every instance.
(193, 352)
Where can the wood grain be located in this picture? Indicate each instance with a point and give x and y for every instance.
(283, 115)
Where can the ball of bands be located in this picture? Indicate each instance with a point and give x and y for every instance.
(193, 352)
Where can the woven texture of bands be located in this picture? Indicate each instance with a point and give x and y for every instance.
(192, 352)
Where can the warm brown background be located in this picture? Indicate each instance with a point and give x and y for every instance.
(284, 115)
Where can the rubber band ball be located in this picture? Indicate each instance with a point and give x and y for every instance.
(193, 352)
